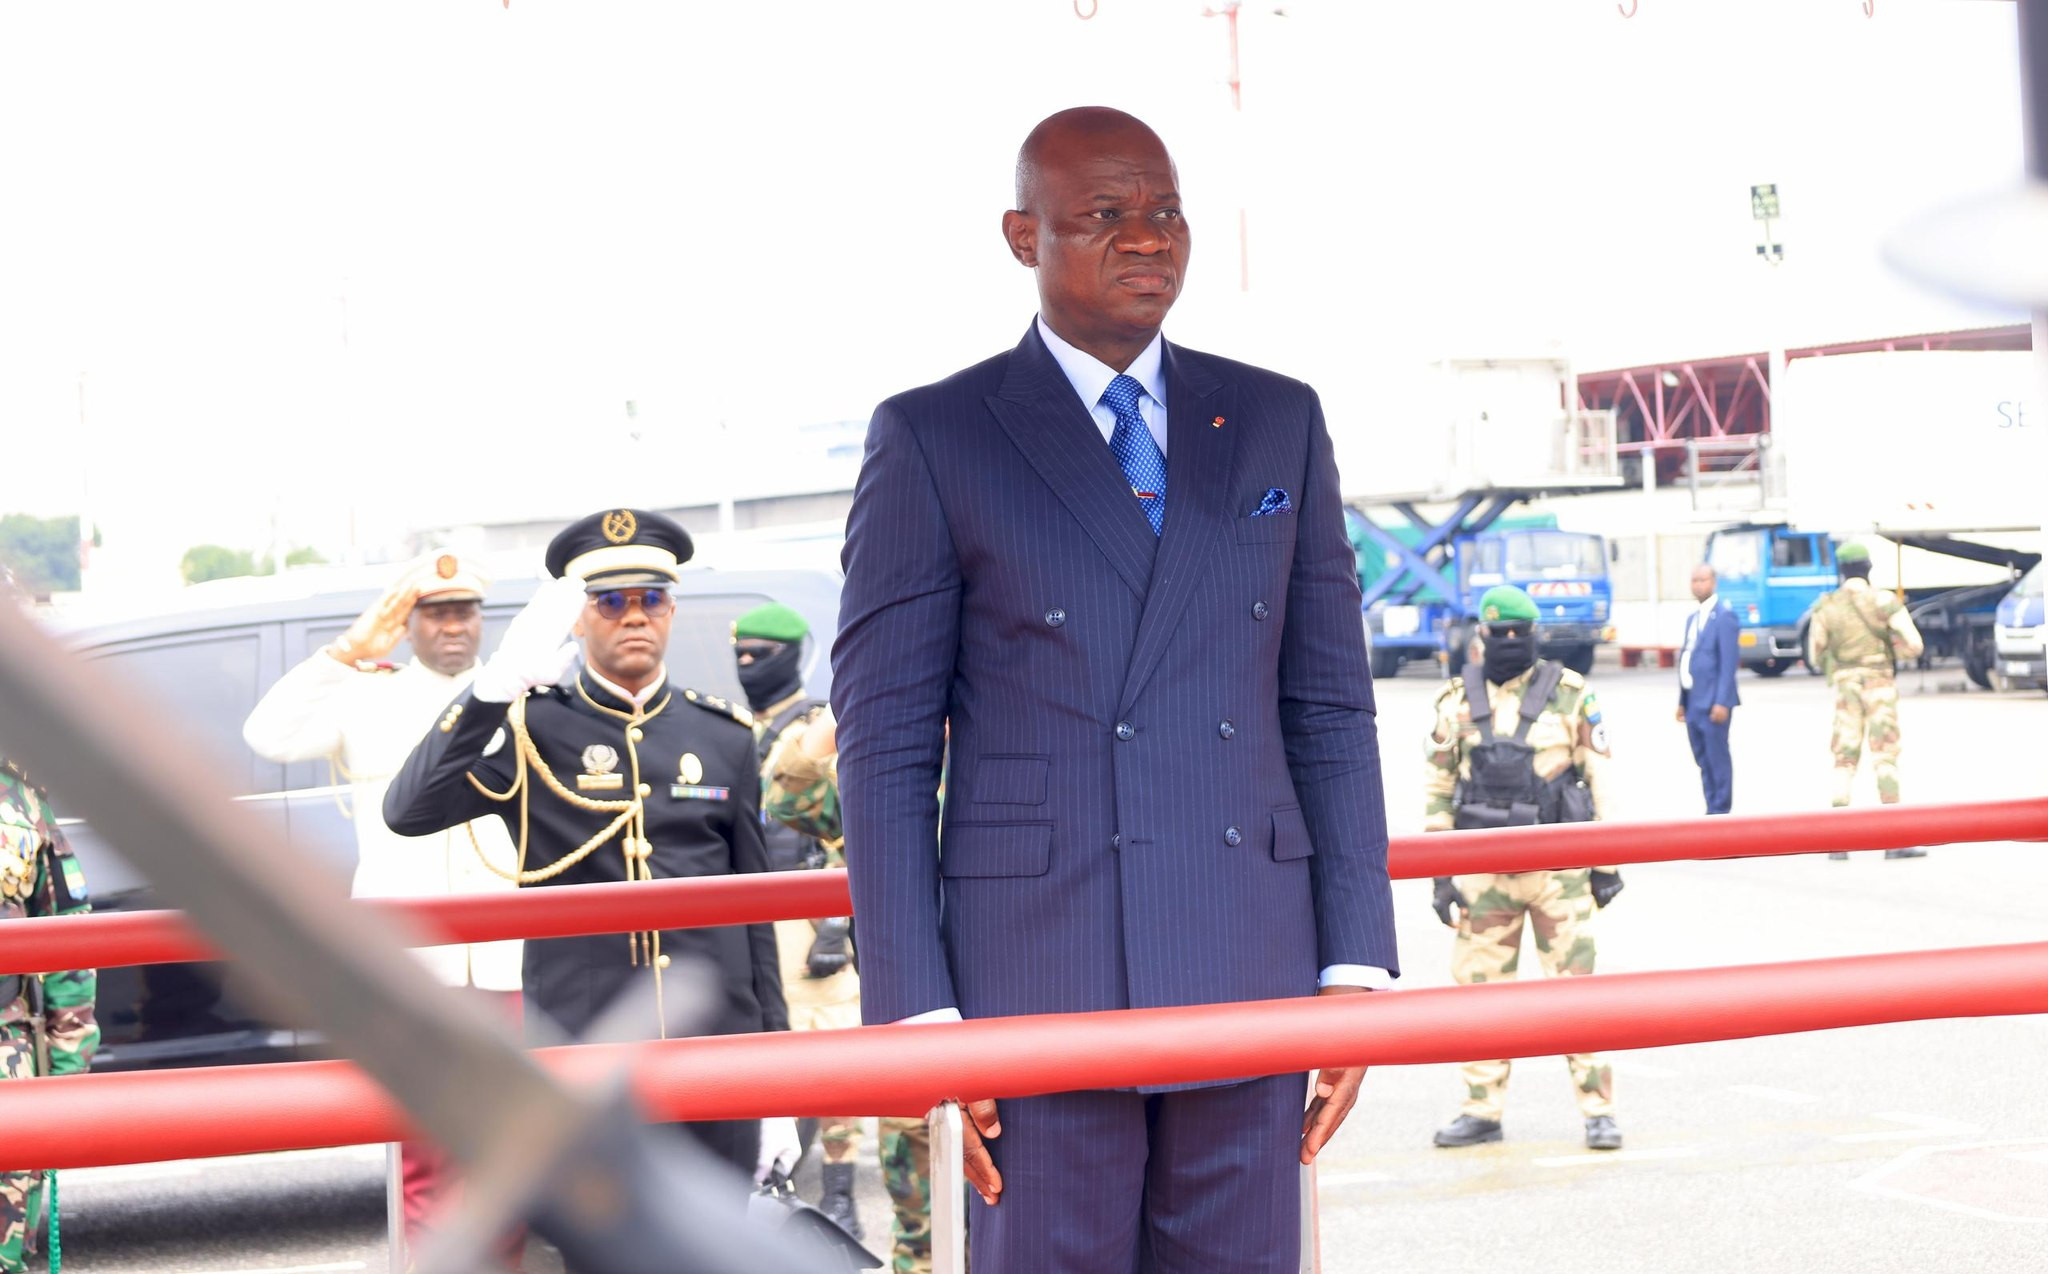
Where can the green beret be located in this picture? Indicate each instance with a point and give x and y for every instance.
(1852, 553)
(1504, 603)
(772, 622)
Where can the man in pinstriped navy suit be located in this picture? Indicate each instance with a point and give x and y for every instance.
(1118, 569)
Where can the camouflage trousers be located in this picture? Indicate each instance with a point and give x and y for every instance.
(906, 1155)
(1558, 908)
(19, 1190)
(839, 1137)
(1866, 717)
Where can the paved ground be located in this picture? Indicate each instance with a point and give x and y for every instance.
(1907, 1147)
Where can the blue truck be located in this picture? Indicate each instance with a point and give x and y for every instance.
(1771, 574)
(1422, 582)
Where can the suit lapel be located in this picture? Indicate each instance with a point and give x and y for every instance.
(1197, 475)
(1038, 408)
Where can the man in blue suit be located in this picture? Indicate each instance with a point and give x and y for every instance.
(1706, 687)
(1118, 569)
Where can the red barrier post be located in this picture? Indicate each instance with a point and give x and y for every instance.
(134, 1118)
(49, 944)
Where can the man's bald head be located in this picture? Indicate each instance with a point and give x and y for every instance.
(1064, 135)
(1098, 217)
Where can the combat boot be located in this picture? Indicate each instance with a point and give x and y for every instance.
(1467, 1130)
(837, 1204)
(1602, 1133)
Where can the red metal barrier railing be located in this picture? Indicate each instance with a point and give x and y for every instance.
(45, 945)
(109, 1119)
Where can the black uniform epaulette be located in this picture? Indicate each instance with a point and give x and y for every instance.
(720, 707)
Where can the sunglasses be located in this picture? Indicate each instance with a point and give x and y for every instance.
(755, 648)
(653, 602)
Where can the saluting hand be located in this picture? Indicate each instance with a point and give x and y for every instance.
(378, 630)
(1336, 1093)
(535, 650)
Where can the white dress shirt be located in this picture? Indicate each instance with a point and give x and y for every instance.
(1693, 629)
(1089, 376)
(640, 700)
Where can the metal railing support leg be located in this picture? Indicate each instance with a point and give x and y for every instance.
(949, 1190)
(1311, 1232)
(394, 1208)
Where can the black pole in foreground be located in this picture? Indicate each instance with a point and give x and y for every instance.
(615, 1196)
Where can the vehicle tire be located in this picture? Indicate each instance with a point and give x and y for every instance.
(1805, 630)
(1772, 667)
(1978, 657)
(1384, 663)
(1577, 658)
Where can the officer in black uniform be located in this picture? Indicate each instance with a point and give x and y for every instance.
(605, 770)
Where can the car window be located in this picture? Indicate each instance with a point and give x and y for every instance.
(1555, 553)
(700, 642)
(1736, 554)
(1792, 551)
(206, 683)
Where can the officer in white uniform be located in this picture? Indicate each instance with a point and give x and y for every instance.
(346, 703)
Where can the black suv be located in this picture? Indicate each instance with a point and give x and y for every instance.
(208, 667)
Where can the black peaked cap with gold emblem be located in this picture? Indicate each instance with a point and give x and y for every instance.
(620, 548)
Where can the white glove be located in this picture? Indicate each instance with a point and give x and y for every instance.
(780, 1149)
(532, 652)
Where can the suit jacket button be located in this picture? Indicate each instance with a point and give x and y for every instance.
(1231, 836)
(1260, 610)
(1126, 731)
(1116, 840)
(1055, 617)
(1226, 729)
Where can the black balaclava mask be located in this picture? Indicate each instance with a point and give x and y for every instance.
(772, 678)
(1508, 652)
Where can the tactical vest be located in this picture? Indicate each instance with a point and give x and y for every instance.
(1504, 789)
(788, 849)
(1859, 632)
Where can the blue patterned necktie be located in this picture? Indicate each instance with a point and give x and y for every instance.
(1135, 450)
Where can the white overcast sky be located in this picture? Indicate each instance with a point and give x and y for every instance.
(765, 214)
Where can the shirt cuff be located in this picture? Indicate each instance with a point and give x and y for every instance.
(935, 1015)
(1365, 975)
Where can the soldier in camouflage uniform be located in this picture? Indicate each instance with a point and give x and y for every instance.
(1857, 637)
(1512, 770)
(47, 1025)
(818, 978)
(803, 791)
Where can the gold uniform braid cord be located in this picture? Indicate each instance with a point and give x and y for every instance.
(632, 818)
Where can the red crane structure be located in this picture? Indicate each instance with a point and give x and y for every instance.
(1718, 410)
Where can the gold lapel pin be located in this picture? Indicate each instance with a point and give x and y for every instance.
(1216, 423)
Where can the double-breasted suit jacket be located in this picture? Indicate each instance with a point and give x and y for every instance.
(1164, 782)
